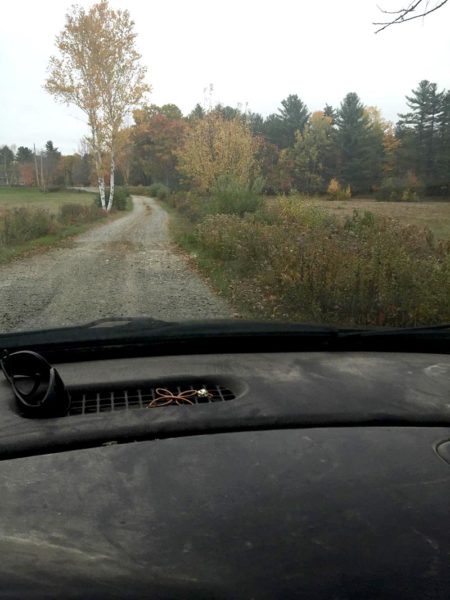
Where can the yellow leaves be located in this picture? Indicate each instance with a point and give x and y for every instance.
(336, 192)
(98, 66)
(333, 187)
(216, 147)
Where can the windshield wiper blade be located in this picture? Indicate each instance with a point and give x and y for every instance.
(441, 330)
(124, 322)
(146, 336)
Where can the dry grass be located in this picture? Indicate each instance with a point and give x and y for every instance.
(31, 197)
(435, 215)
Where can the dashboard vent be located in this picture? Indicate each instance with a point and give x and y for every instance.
(109, 400)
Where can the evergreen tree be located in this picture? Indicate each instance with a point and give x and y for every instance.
(329, 111)
(198, 112)
(256, 123)
(273, 130)
(24, 155)
(6, 165)
(293, 116)
(443, 160)
(357, 145)
(425, 105)
(311, 155)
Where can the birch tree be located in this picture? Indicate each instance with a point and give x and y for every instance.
(98, 70)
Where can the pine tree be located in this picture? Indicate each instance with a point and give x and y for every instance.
(311, 155)
(425, 105)
(443, 160)
(329, 111)
(293, 116)
(358, 146)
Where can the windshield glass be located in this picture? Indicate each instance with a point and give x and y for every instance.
(281, 161)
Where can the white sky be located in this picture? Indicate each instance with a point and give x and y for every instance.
(253, 52)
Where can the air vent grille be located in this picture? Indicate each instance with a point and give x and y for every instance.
(107, 400)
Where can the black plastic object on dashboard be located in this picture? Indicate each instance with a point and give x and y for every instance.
(443, 450)
(37, 386)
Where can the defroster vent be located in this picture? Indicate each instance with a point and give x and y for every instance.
(110, 400)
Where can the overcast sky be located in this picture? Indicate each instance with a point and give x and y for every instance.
(254, 53)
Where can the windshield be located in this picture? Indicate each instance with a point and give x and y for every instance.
(197, 160)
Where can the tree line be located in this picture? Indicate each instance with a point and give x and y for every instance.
(350, 146)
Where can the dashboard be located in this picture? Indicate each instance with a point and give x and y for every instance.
(314, 474)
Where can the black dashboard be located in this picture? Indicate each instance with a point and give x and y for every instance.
(319, 475)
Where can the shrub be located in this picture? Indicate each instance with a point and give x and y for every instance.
(399, 189)
(138, 190)
(159, 190)
(232, 197)
(121, 196)
(24, 224)
(120, 201)
(191, 206)
(301, 264)
(71, 214)
(336, 192)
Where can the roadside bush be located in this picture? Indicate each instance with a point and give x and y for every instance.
(24, 224)
(138, 190)
(159, 190)
(235, 198)
(301, 264)
(71, 214)
(121, 196)
(189, 205)
(120, 201)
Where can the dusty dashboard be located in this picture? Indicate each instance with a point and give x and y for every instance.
(112, 399)
(318, 475)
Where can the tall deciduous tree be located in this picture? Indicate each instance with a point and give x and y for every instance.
(155, 141)
(98, 69)
(215, 147)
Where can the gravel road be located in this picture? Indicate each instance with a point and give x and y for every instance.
(125, 268)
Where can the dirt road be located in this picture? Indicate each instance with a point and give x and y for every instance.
(124, 268)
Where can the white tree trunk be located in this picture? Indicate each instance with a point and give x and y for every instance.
(111, 182)
(100, 178)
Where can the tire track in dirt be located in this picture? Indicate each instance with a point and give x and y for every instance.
(124, 268)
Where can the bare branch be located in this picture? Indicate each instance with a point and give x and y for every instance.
(407, 13)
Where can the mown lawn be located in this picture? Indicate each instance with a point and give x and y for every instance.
(52, 201)
(432, 214)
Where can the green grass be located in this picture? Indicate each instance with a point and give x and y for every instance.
(428, 213)
(44, 242)
(181, 232)
(339, 274)
(22, 196)
(32, 199)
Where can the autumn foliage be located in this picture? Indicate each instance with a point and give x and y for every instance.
(215, 147)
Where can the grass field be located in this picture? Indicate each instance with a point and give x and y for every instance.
(435, 215)
(34, 229)
(14, 197)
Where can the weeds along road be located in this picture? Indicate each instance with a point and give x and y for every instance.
(125, 268)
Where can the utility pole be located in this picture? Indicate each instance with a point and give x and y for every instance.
(42, 174)
(36, 166)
